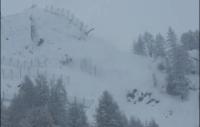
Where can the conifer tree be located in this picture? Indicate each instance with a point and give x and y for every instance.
(152, 123)
(170, 47)
(135, 123)
(159, 50)
(139, 47)
(190, 40)
(177, 83)
(21, 102)
(76, 115)
(58, 104)
(42, 93)
(37, 117)
(108, 113)
(178, 66)
(171, 43)
(149, 42)
(4, 115)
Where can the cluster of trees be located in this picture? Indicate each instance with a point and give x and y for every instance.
(148, 45)
(174, 53)
(40, 103)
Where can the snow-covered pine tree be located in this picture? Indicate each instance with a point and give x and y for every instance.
(4, 115)
(159, 46)
(181, 61)
(37, 117)
(149, 42)
(139, 46)
(169, 47)
(177, 82)
(124, 120)
(42, 92)
(196, 35)
(21, 103)
(178, 65)
(133, 122)
(58, 103)
(152, 123)
(76, 115)
(190, 40)
(171, 42)
(108, 113)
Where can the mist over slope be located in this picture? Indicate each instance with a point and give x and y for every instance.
(54, 43)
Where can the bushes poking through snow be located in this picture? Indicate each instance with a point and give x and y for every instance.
(66, 60)
(136, 96)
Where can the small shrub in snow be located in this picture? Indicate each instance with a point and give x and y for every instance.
(40, 42)
(67, 60)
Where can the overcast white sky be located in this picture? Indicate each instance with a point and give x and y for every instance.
(120, 21)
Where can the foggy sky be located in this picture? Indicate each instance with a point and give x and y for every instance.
(121, 21)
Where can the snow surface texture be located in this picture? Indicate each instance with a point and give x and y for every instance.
(88, 65)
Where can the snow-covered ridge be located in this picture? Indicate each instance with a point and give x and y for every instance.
(88, 66)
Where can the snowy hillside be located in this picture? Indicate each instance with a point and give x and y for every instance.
(88, 65)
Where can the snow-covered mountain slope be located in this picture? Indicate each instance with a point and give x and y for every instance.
(88, 65)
